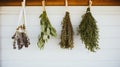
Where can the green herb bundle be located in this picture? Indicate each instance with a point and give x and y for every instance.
(20, 37)
(46, 30)
(67, 33)
(88, 31)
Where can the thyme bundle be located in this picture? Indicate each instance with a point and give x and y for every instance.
(46, 30)
(67, 33)
(20, 37)
(88, 31)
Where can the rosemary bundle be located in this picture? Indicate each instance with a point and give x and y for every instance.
(88, 31)
(20, 37)
(67, 33)
(46, 30)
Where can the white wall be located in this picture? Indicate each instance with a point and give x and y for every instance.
(108, 18)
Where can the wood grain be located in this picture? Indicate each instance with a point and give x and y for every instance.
(61, 2)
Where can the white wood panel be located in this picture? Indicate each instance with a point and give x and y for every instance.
(108, 18)
(62, 63)
(105, 31)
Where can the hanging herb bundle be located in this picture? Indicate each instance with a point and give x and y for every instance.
(88, 31)
(20, 37)
(67, 33)
(47, 29)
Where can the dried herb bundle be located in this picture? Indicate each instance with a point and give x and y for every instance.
(67, 33)
(46, 30)
(20, 37)
(88, 31)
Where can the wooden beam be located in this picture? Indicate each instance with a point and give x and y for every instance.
(60, 2)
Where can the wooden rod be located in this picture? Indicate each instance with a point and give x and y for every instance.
(61, 2)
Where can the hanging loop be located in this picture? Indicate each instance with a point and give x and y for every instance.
(23, 3)
(90, 3)
(43, 4)
(66, 4)
(24, 11)
(22, 17)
